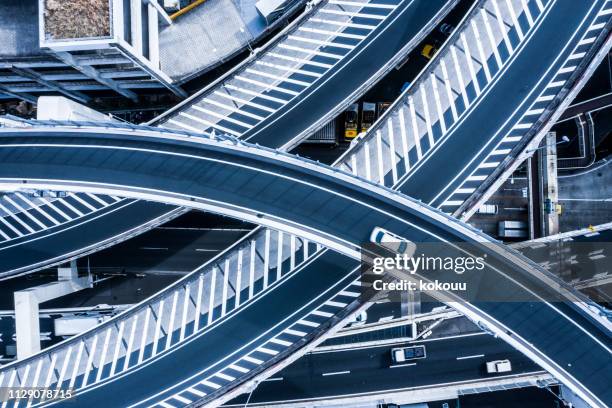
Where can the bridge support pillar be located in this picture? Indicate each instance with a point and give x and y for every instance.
(27, 303)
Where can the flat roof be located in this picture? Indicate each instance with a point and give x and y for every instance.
(212, 32)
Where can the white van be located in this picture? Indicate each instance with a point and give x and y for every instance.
(499, 366)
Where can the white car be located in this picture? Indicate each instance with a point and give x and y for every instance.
(499, 366)
(392, 242)
(403, 354)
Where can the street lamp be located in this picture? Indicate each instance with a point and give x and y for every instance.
(564, 139)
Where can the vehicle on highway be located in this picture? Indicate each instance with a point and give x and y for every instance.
(392, 242)
(368, 115)
(429, 50)
(487, 209)
(446, 29)
(403, 354)
(499, 366)
(351, 118)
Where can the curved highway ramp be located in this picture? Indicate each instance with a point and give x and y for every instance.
(283, 93)
(181, 326)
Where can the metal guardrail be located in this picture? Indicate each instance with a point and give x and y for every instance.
(470, 62)
(283, 70)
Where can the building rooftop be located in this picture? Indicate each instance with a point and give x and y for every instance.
(208, 35)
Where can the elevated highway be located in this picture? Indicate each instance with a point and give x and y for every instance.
(281, 94)
(296, 196)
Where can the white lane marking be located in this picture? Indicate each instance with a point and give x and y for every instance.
(233, 109)
(321, 43)
(195, 391)
(277, 77)
(209, 124)
(52, 205)
(266, 350)
(289, 69)
(252, 360)
(305, 322)
(577, 55)
(266, 86)
(402, 365)
(323, 314)
(310, 52)
(336, 373)
(587, 41)
(274, 379)
(257, 95)
(469, 357)
(343, 24)
(83, 202)
(332, 33)
(300, 60)
(295, 332)
(182, 399)
(353, 14)
(238, 368)
(210, 384)
(334, 303)
(281, 342)
(358, 4)
(225, 377)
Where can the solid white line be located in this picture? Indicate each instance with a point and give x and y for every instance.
(170, 330)
(491, 37)
(402, 365)
(257, 95)
(515, 21)
(25, 212)
(210, 384)
(37, 208)
(502, 27)
(238, 368)
(335, 373)
(469, 357)
(266, 350)
(358, 4)
(181, 399)
(277, 77)
(281, 342)
(252, 360)
(587, 41)
(311, 52)
(211, 299)
(83, 202)
(266, 86)
(209, 124)
(233, 109)
(11, 227)
(14, 217)
(332, 33)
(295, 332)
(225, 377)
(52, 205)
(434, 85)
(195, 391)
(527, 12)
(426, 114)
(300, 60)
(353, 14)
(483, 57)
(289, 69)
(343, 24)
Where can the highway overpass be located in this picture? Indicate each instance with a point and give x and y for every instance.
(294, 195)
(285, 91)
